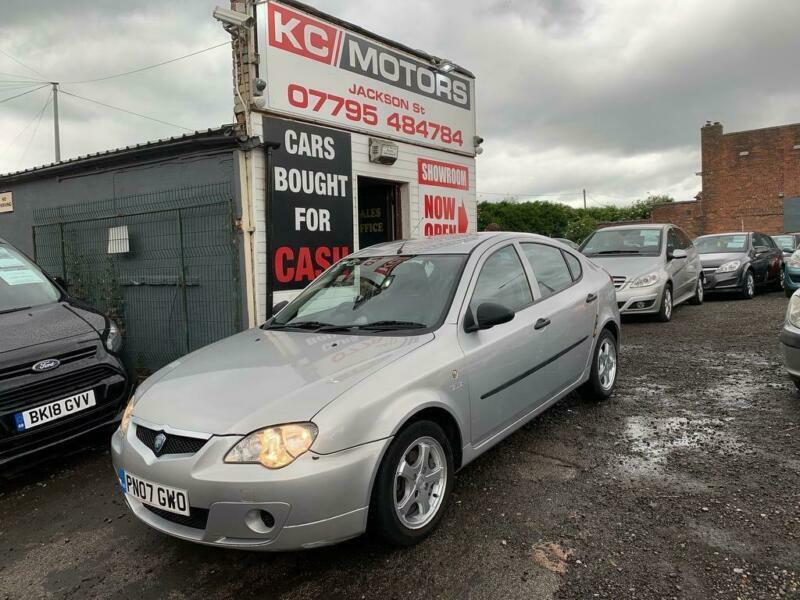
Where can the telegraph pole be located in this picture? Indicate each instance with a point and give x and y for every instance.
(55, 120)
(584, 199)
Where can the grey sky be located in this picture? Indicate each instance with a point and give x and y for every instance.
(603, 95)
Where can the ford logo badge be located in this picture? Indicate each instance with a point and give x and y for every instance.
(46, 365)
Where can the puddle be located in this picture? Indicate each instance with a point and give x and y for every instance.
(653, 440)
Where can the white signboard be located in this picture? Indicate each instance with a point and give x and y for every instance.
(444, 196)
(326, 73)
(6, 202)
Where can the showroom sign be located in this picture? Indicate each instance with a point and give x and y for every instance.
(444, 195)
(321, 71)
(311, 201)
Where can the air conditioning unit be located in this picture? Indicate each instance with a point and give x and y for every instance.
(383, 152)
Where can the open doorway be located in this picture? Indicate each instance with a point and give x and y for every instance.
(378, 211)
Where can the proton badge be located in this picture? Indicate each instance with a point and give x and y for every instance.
(158, 443)
(46, 365)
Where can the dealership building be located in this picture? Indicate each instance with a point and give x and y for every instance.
(343, 139)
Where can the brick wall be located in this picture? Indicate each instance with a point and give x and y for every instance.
(686, 215)
(747, 175)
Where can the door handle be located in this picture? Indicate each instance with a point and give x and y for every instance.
(591, 298)
(541, 323)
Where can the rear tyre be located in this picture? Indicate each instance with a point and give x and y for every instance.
(697, 299)
(605, 363)
(665, 312)
(780, 282)
(413, 485)
(748, 286)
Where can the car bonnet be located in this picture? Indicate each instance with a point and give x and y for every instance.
(260, 378)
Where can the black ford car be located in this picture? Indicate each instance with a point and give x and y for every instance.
(740, 262)
(60, 371)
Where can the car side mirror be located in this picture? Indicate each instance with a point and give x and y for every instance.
(279, 306)
(61, 282)
(487, 315)
(677, 253)
(761, 249)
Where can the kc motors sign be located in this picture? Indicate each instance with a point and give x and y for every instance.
(321, 71)
(444, 195)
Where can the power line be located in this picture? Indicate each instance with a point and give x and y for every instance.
(22, 94)
(18, 75)
(140, 69)
(35, 131)
(19, 62)
(24, 129)
(130, 112)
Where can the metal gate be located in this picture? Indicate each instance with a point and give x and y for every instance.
(164, 266)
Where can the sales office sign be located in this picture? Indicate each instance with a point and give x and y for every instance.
(320, 71)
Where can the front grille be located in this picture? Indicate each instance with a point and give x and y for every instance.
(55, 388)
(197, 519)
(174, 444)
(64, 358)
(618, 280)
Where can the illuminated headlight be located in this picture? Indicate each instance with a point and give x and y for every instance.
(794, 260)
(645, 280)
(126, 417)
(113, 337)
(274, 447)
(793, 312)
(729, 267)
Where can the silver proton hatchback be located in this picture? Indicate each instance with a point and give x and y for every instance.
(355, 405)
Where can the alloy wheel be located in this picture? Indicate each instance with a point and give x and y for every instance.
(607, 364)
(419, 482)
(668, 303)
(700, 290)
(751, 285)
(782, 279)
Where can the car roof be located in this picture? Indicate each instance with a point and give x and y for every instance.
(638, 226)
(447, 244)
(727, 233)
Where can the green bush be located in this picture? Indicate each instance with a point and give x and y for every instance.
(560, 220)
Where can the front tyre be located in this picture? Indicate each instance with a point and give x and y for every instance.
(413, 485)
(748, 286)
(788, 291)
(665, 312)
(697, 299)
(605, 362)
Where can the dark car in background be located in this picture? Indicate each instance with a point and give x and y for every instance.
(61, 374)
(740, 262)
(787, 242)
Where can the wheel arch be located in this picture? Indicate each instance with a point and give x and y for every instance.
(444, 419)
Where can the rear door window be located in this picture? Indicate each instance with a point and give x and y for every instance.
(549, 268)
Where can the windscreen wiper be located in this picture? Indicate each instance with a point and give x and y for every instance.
(299, 325)
(391, 325)
(10, 310)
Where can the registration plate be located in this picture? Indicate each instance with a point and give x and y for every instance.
(161, 496)
(54, 410)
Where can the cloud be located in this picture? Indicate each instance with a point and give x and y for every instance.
(607, 95)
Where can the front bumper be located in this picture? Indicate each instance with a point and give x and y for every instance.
(316, 501)
(723, 282)
(792, 278)
(640, 301)
(790, 348)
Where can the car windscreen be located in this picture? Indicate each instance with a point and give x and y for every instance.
(714, 244)
(22, 283)
(784, 242)
(623, 242)
(376, 293)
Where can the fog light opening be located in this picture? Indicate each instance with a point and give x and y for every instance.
(267, 518)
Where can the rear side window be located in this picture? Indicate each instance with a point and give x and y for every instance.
(549, 267)
(502, 280)
(574, 266)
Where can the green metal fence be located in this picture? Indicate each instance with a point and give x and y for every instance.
(164, 266)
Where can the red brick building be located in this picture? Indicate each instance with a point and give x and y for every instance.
(751, 180)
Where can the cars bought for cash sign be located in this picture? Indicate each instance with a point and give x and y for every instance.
(444, 195)
(312, 201)
(320, 71)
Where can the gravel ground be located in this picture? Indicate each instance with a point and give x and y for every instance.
(685, 484)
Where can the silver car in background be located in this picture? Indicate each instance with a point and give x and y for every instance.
(354, 406)
(654, 267)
